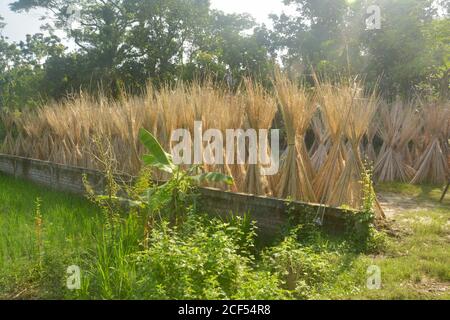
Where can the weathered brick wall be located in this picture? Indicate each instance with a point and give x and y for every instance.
(53, 175)
(270, 214)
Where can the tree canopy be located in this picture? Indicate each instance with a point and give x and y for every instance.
(124, 44)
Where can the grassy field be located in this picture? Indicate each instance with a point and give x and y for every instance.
(39, 241)
(416, 261)
(68, 224)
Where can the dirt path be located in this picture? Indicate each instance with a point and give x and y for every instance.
(394, 203)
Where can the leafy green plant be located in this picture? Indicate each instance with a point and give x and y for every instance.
(303, 269)
(203, 259)
(38, 222)
(157, 200)
(161, 160)
(174, 194)
(368, 238)
(116, 257)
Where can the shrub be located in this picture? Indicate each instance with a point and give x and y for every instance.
(303, 270)
(206, 262)
(200, 259)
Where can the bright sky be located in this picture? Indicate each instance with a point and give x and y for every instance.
(18, 25)
(259, 9)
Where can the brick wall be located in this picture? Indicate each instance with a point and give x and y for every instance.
(270, 214)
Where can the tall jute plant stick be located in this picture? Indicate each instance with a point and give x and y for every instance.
(7, 119)
(224, 111)
(322, 142)
(432, 166)
(233, 118)
(260, 111)
(348, 189)
(369, 149)
(297, 109)
(398, 125)
(63, 132)
(335, 106)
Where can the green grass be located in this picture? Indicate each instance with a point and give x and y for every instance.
(69, 223)
(414, 264)
(416, 261)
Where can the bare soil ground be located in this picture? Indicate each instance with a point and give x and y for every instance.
(393, 204)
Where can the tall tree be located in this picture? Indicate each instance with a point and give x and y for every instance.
(128, 41)
(313, 35)
(98, 27)
(164, 34)
(233, 47)
(331, 36)
(397, 52)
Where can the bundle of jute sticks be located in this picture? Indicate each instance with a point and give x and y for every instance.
(415, 143)
(352, 127)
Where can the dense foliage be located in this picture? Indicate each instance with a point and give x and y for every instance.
(172, 251)
(40, 240)
(122, 44)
